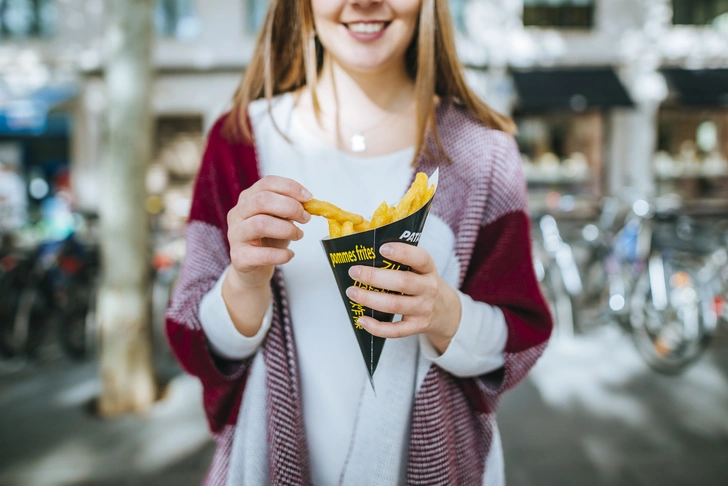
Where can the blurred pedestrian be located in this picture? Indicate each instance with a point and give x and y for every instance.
(347, 99)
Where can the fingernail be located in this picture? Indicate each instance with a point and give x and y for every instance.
(386, 250)
(351, 292)
(300, 234)
(354, 272)
(306, 216)
(306, 195)
(292, 253)
(363, 322)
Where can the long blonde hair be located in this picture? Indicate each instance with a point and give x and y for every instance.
(288, 56)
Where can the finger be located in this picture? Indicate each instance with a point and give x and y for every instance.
(416, 258)
(274, 204)
(283, 186)
(246, 258)
(390, 329)
(265, 226)
(384, 302)
(275, 243)
(395, 280)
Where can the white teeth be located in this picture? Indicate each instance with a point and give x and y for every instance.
(366, 28)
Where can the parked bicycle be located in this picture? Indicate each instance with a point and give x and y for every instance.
(166, 264)
(672, 315)
(556, 272)
(638, 265)
(52, 284)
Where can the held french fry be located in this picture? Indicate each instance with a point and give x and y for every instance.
(429, 194)
(363, 226)
(347, 228)
(343, 223)
(329, 211)
(424, 197)
(334, 228)
(391, 214)
(411, 197)
(380, 216)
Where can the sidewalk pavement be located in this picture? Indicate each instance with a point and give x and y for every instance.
(590, 413)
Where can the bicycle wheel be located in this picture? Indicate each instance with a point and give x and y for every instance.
(591, 307)
(669, 340)
(560, 304)
(10, 340)
(35, 313)
(77, 322)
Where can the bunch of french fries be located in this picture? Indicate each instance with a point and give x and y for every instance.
(344, 223)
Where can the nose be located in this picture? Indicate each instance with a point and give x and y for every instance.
(365, 4)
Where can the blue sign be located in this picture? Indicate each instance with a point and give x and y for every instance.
(29, 115)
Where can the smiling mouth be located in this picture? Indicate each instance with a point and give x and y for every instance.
(366, 27)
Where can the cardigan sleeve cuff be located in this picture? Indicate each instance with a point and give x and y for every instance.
(478, 344)
(222, 336)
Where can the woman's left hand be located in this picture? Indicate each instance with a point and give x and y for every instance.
(428, 305)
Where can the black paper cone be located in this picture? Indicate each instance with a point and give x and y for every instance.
(363, 249)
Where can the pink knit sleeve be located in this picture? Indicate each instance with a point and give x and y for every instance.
(501, 273)
(226, 170)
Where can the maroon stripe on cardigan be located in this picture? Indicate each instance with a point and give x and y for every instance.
(449, 442)
(502, 274)
(288, 450)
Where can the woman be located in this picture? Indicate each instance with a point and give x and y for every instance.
(345, 100)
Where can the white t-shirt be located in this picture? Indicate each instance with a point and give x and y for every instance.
(331, 369)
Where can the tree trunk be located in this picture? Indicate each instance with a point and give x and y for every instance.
(127, 373)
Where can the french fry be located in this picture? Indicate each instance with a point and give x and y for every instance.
(380, 216)
(412, 196)
(429, 194)
(343, 223)
(329, 211)
(424, 197)
(364, 226)
(391, 214)
(347, 228)
(335, 229)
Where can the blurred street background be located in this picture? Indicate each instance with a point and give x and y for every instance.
(622, 110)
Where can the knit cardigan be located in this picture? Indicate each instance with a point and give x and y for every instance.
(482, 197)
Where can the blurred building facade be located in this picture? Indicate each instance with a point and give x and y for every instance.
(553, 63)
(607, 93)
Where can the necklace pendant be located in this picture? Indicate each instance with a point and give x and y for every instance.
(358, 142)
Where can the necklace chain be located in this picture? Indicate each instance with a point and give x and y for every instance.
(358, 141)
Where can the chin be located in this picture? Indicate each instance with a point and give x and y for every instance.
(366, 61)
(365, 67)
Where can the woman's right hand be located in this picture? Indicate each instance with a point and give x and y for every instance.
(260, 228)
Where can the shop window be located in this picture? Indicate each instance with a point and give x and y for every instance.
(699, 12)
(692, 153)
(177, 19)
(562, 151)
(28, 18)
(559, 13)
(255, 15)
(179, 143)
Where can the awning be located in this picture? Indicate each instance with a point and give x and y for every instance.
(700, 87)
(28, 115)
(569, 89)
